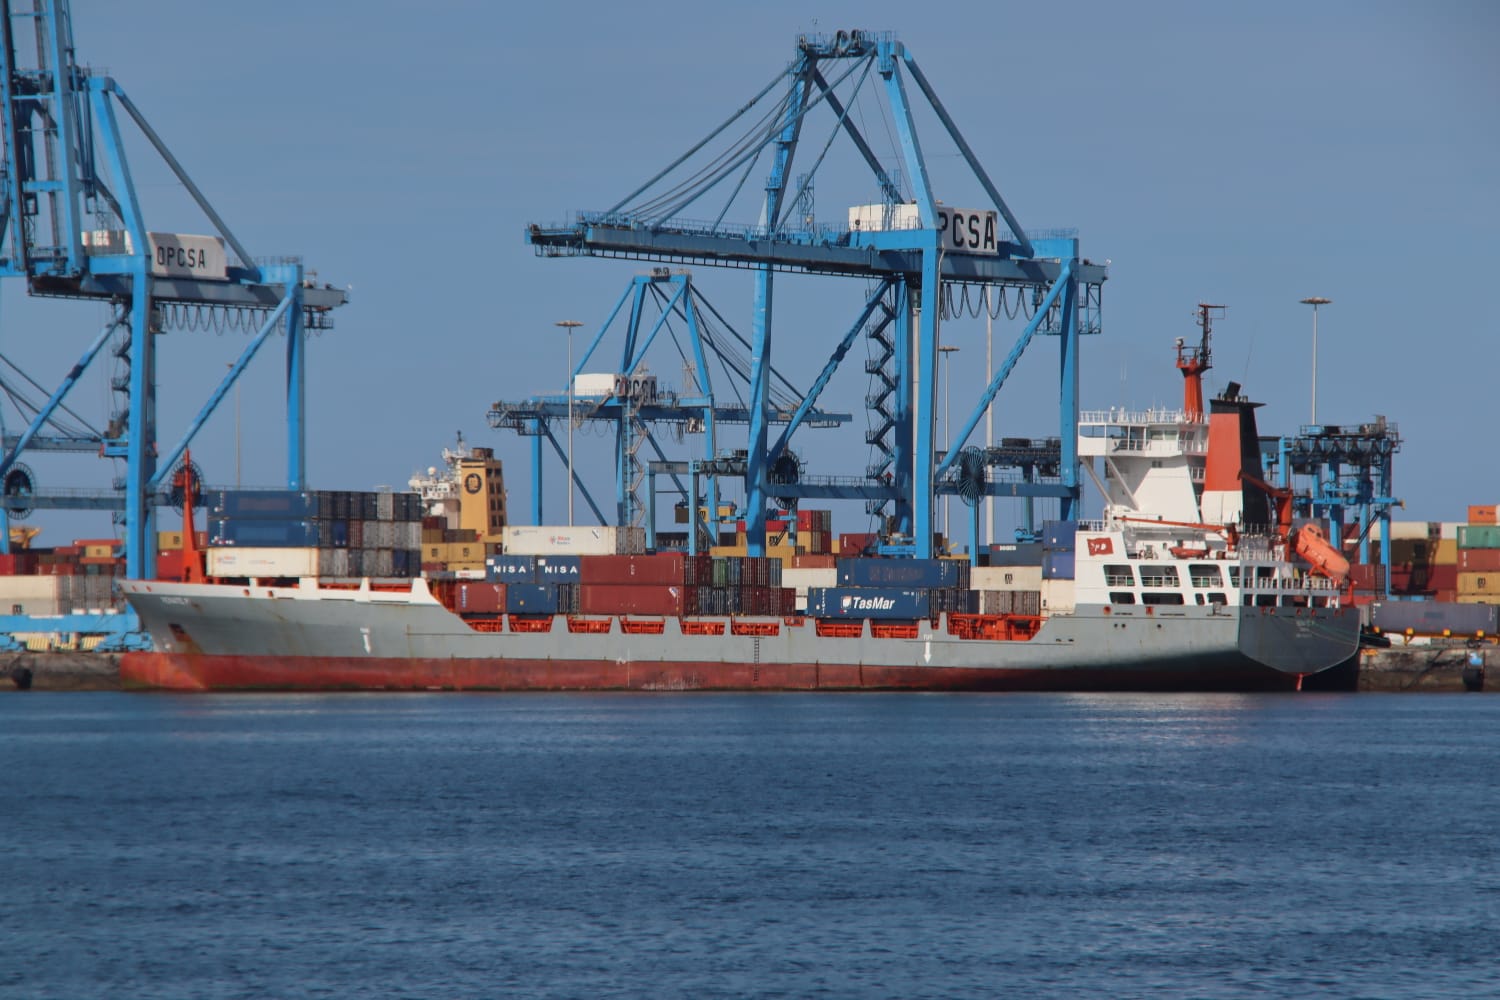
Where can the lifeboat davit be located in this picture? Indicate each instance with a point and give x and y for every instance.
(1314, 546)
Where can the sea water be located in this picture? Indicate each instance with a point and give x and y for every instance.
(789, 845)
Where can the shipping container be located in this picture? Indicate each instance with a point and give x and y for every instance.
(510, 569)
(1057, 596)
(1437, 618)
(264, 533)
(541, 540)
(1059, 534)
(33, 595)
(1027, 577)
(857, 544)
(1479, 561)
(663, 568)
(631, 599)
(251, 561)
(530, 598)
(885, 603)
(1479, 536)
(475, 598)
(279, 505)
(1058, 564)
(927, 574)
(1486, 584)
(1484, 513)
(1016, 554)
(558, 569)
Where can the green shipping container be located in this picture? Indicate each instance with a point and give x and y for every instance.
(1479, 536)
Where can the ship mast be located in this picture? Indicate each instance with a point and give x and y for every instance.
(1193, 363)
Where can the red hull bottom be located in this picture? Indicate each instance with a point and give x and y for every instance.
(200, 672)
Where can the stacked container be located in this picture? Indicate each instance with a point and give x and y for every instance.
(895, 590)
(1478, 575)
(674, 584)
(324, 533)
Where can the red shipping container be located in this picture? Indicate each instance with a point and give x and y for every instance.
(473, 597)
(854, 544)
(1442, 577)
(665, 568)
(1479, 560)
(631, 599)
(169, 565)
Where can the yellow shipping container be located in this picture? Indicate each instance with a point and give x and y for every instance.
(168, 541)
(1485, 584)
(1476, 599)
(1447, 553)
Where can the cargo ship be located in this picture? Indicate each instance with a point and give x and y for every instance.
(1196, 577)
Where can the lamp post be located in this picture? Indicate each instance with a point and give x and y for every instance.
(947, 351)
(1315, 301)
(569, 325)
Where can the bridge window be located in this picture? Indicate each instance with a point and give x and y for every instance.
(1116, 575)
(1155, 575)
(1205, 575)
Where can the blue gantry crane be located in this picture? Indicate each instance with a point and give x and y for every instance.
(1345, 469)
(922, 260)
(662, 309)
(72, 227)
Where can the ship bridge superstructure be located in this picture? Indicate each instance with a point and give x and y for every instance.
(1147, 460)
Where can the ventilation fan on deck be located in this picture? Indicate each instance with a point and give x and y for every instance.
(20, 485)
(970, 476)
(785, 471)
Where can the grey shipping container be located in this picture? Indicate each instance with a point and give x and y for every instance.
(1435, 618)
(927, 574)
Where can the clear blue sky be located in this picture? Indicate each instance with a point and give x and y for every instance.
(1250, 155)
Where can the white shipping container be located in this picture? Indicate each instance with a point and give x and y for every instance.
(594, 384)
(558, 540)
(34, 595)
(14, 588)
(1006, 578)
(1057, 596)
(254, 562)
(877, 218)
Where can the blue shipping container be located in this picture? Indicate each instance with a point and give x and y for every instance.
(510, 569)
(1058, 565)
(557, 569)
(280, 505)
(872, 602)
(927, 574)
(268, 534)
(1059, 534)
(531, 598)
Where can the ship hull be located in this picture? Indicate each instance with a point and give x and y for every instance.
(213, 638)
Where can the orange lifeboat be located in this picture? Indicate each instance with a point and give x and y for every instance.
(1314, 546)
